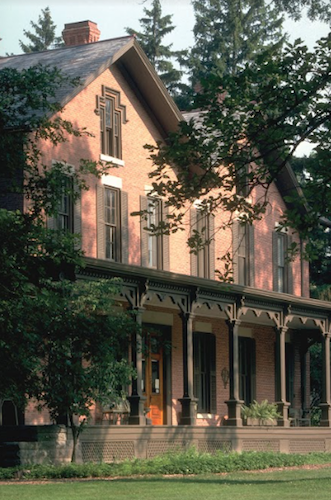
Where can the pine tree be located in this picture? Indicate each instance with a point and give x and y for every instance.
(230, 32)
(44, 37)
(154, 28)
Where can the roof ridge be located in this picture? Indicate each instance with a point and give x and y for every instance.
(128, 37)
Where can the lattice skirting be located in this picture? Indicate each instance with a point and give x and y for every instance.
(159, 447)
(213, 446)
(306, 446)
(260, 445)
(107, 451)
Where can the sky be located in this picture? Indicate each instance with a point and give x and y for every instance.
(112, 17)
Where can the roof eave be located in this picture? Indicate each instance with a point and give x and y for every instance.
(150, 86)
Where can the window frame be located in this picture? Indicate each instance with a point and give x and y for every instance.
(154, 241)
(243, 253)
(203, 259)
(121, 223)
(73, 213)
(65, 212)
(112, 114)
(281, 262)
(282, 268)
(112, 226)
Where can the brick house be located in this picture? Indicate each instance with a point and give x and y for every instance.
(229, 343)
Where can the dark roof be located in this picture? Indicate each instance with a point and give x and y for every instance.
(83, 61)
(88, 61)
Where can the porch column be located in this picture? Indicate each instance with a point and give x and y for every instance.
(281, 402)
(137, 400)
(303, 375)
(188, 401)
(234, 403)
(326, 396)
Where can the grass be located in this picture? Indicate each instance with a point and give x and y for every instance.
(285, 484)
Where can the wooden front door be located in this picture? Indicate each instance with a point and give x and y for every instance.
(153, 386)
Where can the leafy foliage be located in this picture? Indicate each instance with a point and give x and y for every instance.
(84, 348)
(44, 36)
(250, 128)
(189, 462)
(263, 411)
(316, 9)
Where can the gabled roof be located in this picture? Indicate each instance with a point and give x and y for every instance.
(89, 61)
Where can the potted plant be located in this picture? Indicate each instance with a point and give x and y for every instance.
(263, 413)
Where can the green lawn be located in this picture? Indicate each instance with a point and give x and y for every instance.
(290, 484)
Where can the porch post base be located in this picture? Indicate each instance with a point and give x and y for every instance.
(282, 408)
(326, 415)
(234, 413)
(189, 411)
(137, 413)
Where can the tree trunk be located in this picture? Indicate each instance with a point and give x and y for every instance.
(75, 434)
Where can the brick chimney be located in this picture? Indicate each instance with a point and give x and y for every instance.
(80, 33)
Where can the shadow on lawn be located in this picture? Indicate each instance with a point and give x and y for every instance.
(226, 480)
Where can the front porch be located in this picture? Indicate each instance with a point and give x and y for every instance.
(257, 348)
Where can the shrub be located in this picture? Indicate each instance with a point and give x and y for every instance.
(189, 462)
(263, 411)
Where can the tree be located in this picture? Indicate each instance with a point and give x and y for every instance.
(305, 169)
(229, 33)
(58, 341)
(316, 9)
(250, 128)
(84, 349)
(155, 28)
(44, 37)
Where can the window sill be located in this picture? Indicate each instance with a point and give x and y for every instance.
(111, 159)
(205, 415)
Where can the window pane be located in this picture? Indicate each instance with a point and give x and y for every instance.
(116, 124)
(111, 222)
(203, 253)
(109, 143)
(280, 279)
(102, 117)
(280, 250)
(110, 206)
(242, 241)
(65, 216)
(155, 376)
(153, 240)
(242, 271)
(110, 243)
(109, 113)
(281, 262)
